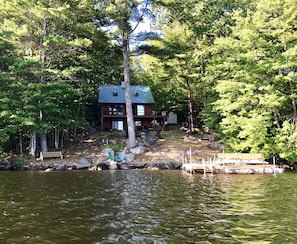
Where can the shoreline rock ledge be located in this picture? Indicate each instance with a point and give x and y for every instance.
(85, 163)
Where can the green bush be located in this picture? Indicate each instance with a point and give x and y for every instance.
(20, 160)
(116, 147)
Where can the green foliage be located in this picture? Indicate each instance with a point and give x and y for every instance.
(51, 62)
(172, 70)
(242, 61)
(254, 82)
(286, 142)
(20, 160)
(116, 147)
(237, 57)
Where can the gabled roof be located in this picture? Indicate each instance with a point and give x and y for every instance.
(116, 94)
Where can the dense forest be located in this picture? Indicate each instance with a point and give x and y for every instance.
(226, 65)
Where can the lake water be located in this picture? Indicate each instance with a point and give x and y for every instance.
(139, 206)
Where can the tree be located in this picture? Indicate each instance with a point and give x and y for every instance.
(8, 57)
(188, 29)
(54, 41)
(256, 80)
(124, 14)
(179, 67)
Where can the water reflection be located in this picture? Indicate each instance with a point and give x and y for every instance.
(257, 208)
(146, 207)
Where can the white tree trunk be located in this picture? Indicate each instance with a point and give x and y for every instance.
(56, 138)
(32, 146)
(129, 110)
(190, 108)
(43, 142)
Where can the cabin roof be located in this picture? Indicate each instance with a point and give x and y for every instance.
(116, 94)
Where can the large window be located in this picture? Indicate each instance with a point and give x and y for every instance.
(140, 110)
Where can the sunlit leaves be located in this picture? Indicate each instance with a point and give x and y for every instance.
(257, 82)
(49, 54)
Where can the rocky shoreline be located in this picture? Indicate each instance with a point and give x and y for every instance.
(104, 161)
(108, 165)
(152, 153)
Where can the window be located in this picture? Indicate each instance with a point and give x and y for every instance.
(140, 109)
(137, 123)
(115, 94)
(116, 109)
(118, 124)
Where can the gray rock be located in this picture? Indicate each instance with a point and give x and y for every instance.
(150, 140)
(112, 165)
(190, 139)
(123, 165)
(112, 142)
(130, 157)
(215, 145)
(83, 162)
(138, 150)
(102, 159)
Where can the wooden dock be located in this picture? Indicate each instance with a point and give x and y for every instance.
(239, 163)
(231, 169)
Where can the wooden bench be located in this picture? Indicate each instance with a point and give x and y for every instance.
(241, 156)
(55, 154)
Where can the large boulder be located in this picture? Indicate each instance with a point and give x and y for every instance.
(123, 165)
(129, 157)
(83, 162)
(138, 150)
(102, 159)
(150, 140)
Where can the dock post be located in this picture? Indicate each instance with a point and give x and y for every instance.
(211, 166)
(204, 167)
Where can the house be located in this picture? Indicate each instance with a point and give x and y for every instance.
(113, 107)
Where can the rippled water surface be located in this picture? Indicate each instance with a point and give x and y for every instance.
(141, 206)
